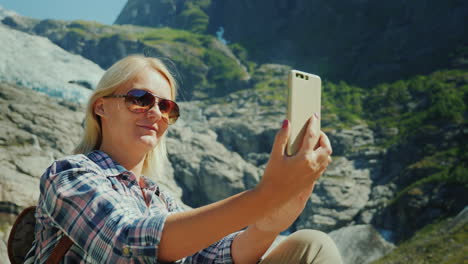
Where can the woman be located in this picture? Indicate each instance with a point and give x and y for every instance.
(112, 213)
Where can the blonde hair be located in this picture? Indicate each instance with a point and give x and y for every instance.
(117, 75)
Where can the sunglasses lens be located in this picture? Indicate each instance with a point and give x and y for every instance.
(169, 109)
(139, 101)
(164, 106)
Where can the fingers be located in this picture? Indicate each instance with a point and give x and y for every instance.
(325, 142)
(319, 160)
(281, 140)
(323, 150)
(316, 147)
(312, 134)
(324, 165)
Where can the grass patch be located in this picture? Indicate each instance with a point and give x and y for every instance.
(435, 243)
(450, 167)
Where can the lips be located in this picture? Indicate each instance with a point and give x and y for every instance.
(149, 128)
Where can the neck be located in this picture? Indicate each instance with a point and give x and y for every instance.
(129, 160)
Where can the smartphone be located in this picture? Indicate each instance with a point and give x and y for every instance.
(304, 99)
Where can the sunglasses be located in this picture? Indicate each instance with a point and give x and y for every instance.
(141, 101)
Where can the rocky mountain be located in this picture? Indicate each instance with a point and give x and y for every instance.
(201, 63)
(361, 42)
(400, 159)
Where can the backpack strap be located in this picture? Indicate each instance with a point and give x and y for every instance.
(16, 256)
(60, 249)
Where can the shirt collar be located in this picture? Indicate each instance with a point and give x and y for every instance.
(111, 167)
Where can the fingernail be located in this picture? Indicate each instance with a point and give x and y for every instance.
(316, 115)
(285, 123)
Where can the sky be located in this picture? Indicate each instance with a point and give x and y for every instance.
(103, 11)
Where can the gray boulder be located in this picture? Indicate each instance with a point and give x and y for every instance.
(339, 195)
(360, 244)
(350, 140)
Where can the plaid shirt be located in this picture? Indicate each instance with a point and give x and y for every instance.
(100, 206)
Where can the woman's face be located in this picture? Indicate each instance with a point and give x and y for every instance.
(134, 131)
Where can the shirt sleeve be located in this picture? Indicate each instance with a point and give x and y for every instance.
(83, 204)
(217, 253)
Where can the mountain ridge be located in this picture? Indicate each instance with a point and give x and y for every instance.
(360, 42)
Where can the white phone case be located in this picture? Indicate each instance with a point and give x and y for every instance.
(304, 99)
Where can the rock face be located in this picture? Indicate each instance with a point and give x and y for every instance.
(204, 168)
(338, 49)
(338, 197)
(347, 192)
(360, 244)
(39, 64)
(155, 13)
(36, 129)
(342, 194)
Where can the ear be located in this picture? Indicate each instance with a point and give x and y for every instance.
(99, 108)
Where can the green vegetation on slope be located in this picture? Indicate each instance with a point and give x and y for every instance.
(444, 167)
(440, 243)
(344, 101)
(430, 115)
(207, 66)
(193, 18)
(423, 103)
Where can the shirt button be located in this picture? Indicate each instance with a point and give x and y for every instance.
(126, 251)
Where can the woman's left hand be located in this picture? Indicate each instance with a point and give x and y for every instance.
(283, 217)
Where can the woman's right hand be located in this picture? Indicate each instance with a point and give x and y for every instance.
(287, 176)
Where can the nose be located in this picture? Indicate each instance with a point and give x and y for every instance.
(155, 113)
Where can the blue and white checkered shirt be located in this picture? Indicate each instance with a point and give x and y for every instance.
(99, 205)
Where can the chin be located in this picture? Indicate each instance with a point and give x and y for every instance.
(149, 142)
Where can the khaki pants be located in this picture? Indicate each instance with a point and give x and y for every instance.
(304, 247)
